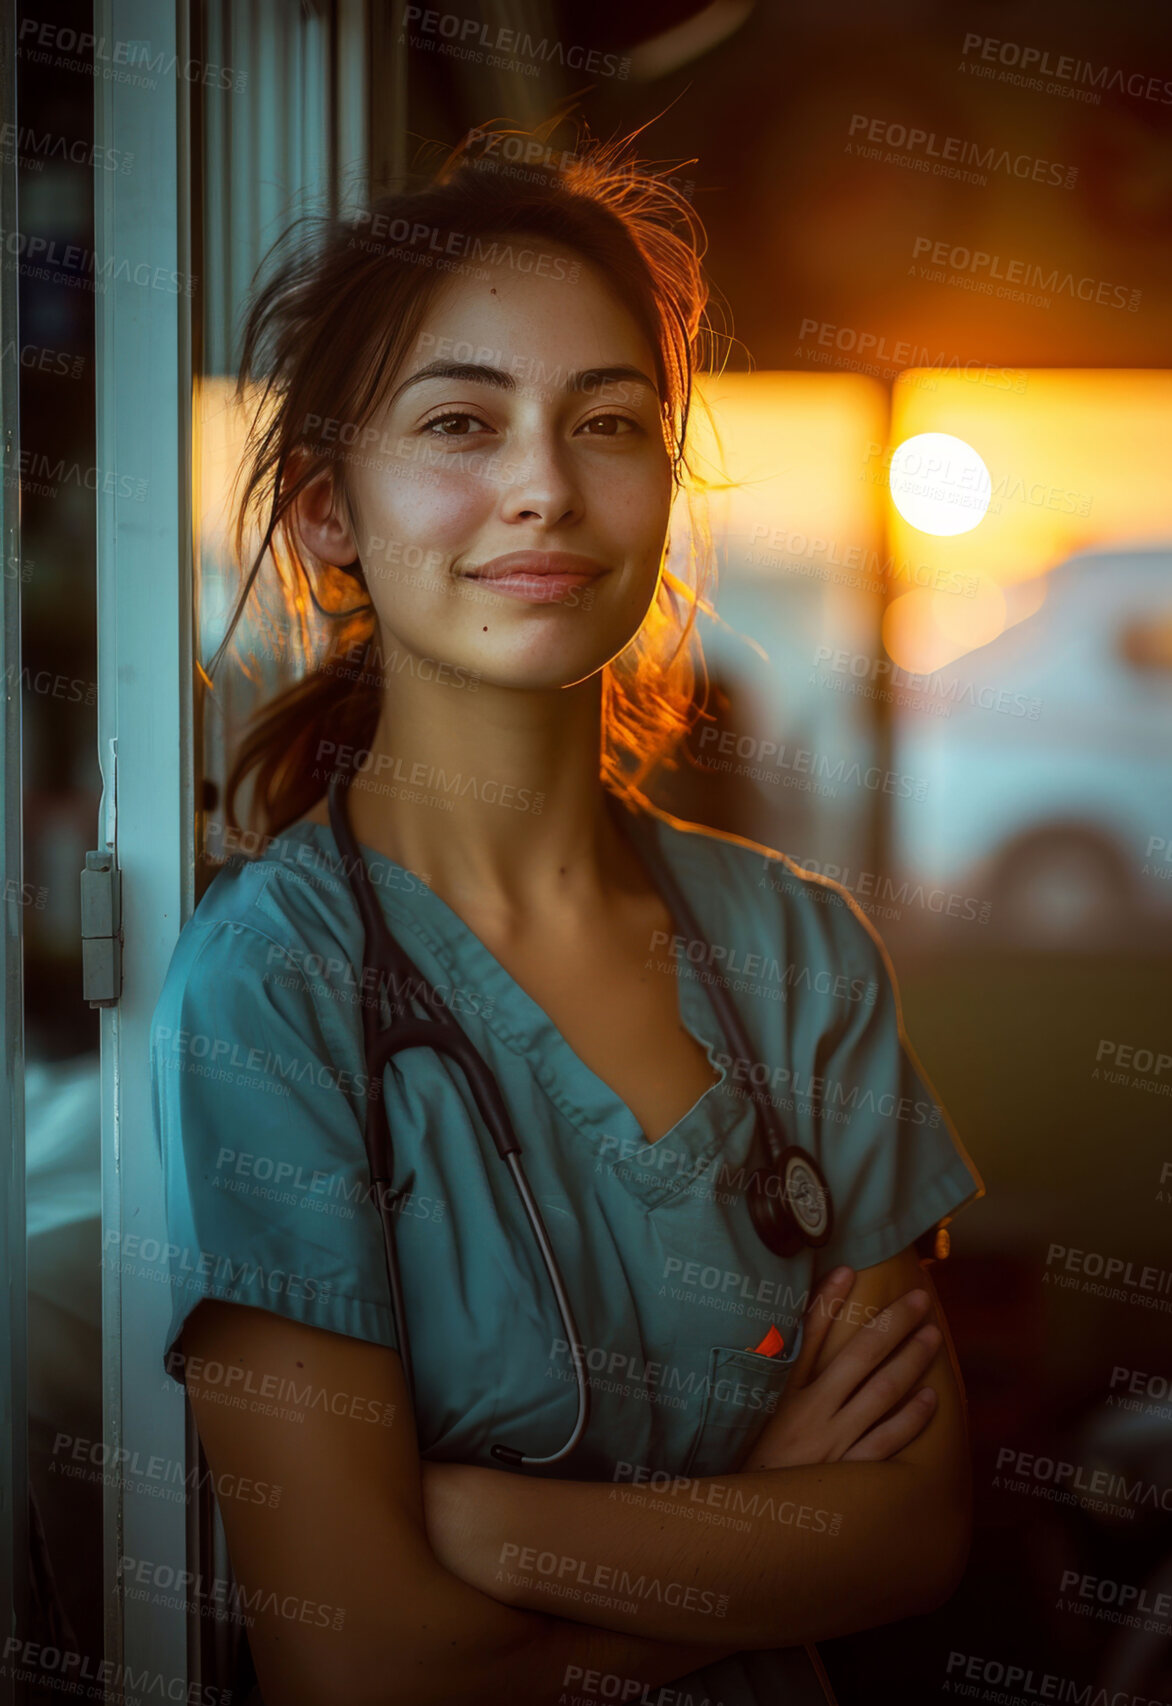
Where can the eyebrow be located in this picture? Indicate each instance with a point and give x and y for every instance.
(475, 374)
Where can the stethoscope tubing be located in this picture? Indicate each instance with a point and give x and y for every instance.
(440, 1031)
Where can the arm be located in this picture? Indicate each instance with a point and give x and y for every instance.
(346, 1599)
(830, 1546)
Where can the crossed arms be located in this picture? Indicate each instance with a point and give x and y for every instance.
(851, 1509)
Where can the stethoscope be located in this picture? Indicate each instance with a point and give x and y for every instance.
(789, 1199)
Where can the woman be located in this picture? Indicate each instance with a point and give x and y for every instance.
(471, 433)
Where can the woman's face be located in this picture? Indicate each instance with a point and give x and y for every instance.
(511, 502)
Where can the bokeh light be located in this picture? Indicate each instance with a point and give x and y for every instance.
(939, 484)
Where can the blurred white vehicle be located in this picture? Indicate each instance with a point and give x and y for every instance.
(1049, 799)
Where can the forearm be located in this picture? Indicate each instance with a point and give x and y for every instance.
(768, 1558)
(463, 1647)
(537, 1653)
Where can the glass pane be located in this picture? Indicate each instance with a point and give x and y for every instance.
(55, 481)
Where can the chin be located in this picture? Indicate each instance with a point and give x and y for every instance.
(552, 645)
(543, 662)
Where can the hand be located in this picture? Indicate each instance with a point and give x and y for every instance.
(842, 1414)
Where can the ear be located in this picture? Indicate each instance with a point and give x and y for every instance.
(322, 522)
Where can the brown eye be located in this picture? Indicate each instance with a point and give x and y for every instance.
(610, 426)
(455, 425)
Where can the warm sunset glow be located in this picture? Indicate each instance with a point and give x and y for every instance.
(939, 484)
(924, 631)
(1077, 460)
(795, 446)
(220, 428)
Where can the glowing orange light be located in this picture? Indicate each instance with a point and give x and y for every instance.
(1076, 459)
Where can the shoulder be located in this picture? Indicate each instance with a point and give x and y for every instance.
(753, 887)
(279, 919)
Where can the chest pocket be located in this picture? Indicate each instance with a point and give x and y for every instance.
(743, 1391)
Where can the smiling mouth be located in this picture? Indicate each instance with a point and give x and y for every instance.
(539, 577)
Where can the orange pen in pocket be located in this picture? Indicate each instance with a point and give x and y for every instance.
(770, 1345)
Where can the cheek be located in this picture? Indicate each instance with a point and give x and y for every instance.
(636, 510)
(436, 508)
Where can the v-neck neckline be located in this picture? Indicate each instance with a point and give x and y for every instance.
(653, 1172)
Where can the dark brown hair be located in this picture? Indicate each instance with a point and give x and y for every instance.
(322, 341)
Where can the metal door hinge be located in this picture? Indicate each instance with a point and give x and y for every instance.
(101, 929)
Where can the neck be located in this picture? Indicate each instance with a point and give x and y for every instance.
(494, 793)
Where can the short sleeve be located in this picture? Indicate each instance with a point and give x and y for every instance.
(257, 1088)
(894, 1164)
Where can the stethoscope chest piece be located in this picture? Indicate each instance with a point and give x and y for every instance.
(789, 1202)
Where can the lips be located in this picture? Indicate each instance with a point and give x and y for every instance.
(538, 563)
(538, 576)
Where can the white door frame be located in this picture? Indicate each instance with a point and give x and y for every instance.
(144, 579)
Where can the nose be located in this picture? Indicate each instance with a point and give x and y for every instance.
(540, 484)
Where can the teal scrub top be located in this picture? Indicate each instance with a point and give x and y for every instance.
(259, 1091)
